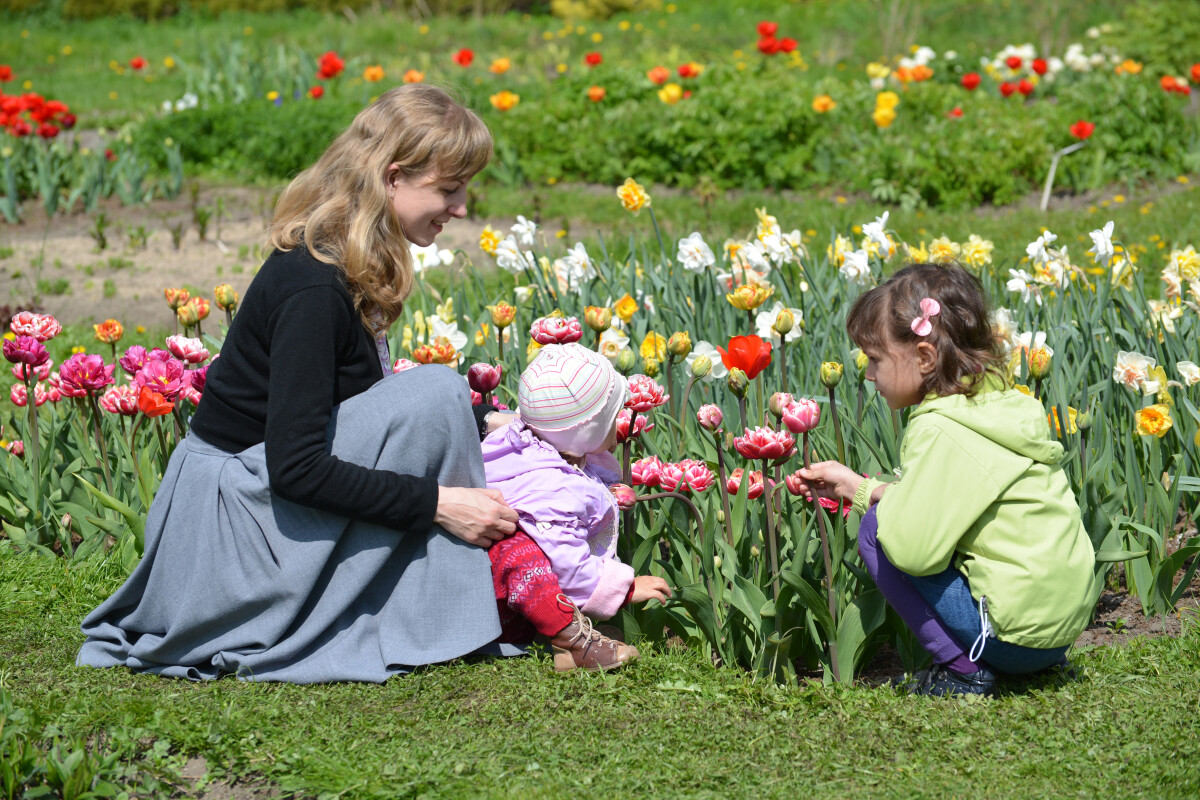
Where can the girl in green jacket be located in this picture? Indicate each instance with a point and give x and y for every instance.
(979, 546)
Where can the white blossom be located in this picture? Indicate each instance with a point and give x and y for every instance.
(764, 323)
(524, 230)
(694, 254)
(1036, 250)
(857, 267)
(431, 256)
(1132, 371)
(703, 348)
(510, 257)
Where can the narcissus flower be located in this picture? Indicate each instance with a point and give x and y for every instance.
(750, 354)
(625, 308)
(802, 415)
(1154, 420)
(556, 330)
(505, 100)
(1189, 372)
(489, 240)
(654, 345)
(633, 196)
(1132, 370)
(645, 394)
(689, 475)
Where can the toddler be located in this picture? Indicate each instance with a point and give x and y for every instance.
(553, 466)
(979, 546)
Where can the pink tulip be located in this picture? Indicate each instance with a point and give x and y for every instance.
(190, 394)
(764, 443)
(26, 350)
(688, 475)
(484, 378)
(188, 350)
(645, 394)
(42, 327)
(794, 483)
(164, 377)
(802, 415)
(199, 377)
(624, 433)
(83, 373)
(756, 488)
(121, 400)
(556, 330)
(17, 448)
(625, 496)
(136, 357)
(647, 471)
(403, 365)
(22, 371)
(20, 397)
(709, 417)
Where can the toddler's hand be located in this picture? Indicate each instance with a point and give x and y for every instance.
(650, 587)
(830, 479)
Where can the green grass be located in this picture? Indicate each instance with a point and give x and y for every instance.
(668, 726)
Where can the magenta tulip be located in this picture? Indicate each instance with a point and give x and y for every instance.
(83, 374)
(556, 330)
(647, 471)
(26, 350)
(167, 378)
(484, 378)
(625, 496)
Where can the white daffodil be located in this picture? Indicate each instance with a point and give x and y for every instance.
(440, 329)
(612, 342)
(877, 232)
(754, 255)
(1102, 246)
(431, 256)
(703, 348)
(524, 230)
(574, 269)
(1189, 372)
(1030, 341)
(1167, 312)
(510, 257)
(857, 267)
(694, 254)
(1021, 281)
(764, 323)
(1004, 325)
(1132, 371)
(1036, 249)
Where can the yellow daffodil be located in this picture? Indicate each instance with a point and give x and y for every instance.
(1154, 420)
(625, 308)
(633, 195)
(653, 346)
(488, 240)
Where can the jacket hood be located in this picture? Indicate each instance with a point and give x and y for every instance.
(1006, 416)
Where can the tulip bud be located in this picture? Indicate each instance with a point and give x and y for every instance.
(598, 318)
(831, 374)
(625, 496)
(626, 361)
(701, 366)
(1084, 420)
(176, 297)
(680, 344)
(860, 363)
(484, 378)
(754, 551)
(650, 367)
(709, 416)
(201, 306)
(502, 314)
(1039, 363)
(784, 322)
(737, 382)
(716, 562)
(66, 522)
(721, 516)
(778, 402)
(226, 297)
(187, 316)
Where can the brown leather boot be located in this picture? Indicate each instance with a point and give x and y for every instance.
(581, 646)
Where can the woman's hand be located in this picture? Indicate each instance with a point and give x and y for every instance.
(830, 479)
(477, 516)
(650, 587)
(498, 419)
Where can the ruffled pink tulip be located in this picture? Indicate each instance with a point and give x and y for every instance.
(26, 350)
(136, 357)
(764, 443)
(190, 394)
(794, 483)
(83, 373)
(167, 378)
(624, 432)
(645, 394)
(709, 417)
(625, 496)
(121, 400)
(802, 415)
(556, 330)
(42, 327)
(17, 448)
(39, 373)
(187, 350)
(647, 471)
(484, 378)
(688, 475)
(754, 491)
(403, 365)
(20, 397)
(199, 377)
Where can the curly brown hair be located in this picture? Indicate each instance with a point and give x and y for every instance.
(966, 342)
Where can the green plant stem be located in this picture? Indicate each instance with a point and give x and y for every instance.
(819, 511)
(771, 543)
(35, 448)
(783, 365)
(742, 410)
(499, 344)
(100, 443)
(683, 406)
(724, 487)
(837, 425)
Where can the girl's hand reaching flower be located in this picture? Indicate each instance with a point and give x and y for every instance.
(829, 479)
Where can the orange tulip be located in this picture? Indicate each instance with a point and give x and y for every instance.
(110, 331)
(153, 404)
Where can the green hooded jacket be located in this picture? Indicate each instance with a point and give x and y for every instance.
(982, 487)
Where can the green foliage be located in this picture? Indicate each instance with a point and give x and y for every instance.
(1160, 32)
(597, 9)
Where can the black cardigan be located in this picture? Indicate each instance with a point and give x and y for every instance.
(295, 350)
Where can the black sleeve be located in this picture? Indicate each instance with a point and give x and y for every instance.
(481, 411)
(306, 333)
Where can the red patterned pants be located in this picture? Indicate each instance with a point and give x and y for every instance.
(527, 591)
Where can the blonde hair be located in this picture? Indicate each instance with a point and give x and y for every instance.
(340, 210)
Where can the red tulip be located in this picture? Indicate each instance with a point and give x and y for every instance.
(153, 404)
(750, 354)
(754, 491)
(794, 483)
(1007, 89)
(1039, 66)
(593, 59)
(316, 92)
(6, 73)
(971, 81)
(768, 45)
(1025, 87)
(329, 66)
(1195, 73)
(137, 63)
(787, 44)
(767, 29)
(955, 113)
(1013, 62)
(1082, 129)
(464, 57)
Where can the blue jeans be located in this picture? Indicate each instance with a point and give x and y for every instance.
(950, 597)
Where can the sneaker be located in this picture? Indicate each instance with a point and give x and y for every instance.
(581, 646)
(941, 681)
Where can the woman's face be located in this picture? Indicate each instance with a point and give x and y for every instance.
(425, 203)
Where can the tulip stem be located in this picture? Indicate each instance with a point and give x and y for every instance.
(699, 520)
(499, 344)
(687, 393)
(1037, 389)
(742, 410)
(228, 322)
(627, 479)
(724, 488)
(100, 441)
(162, 442)
(35, 447)
(771, 543)
(819, 511)
(782, 366)
(837, 425)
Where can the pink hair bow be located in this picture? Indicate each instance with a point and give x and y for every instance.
(929, 308)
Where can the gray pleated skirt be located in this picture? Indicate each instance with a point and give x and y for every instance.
(237, 580)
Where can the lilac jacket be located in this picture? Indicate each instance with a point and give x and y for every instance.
(569, 512)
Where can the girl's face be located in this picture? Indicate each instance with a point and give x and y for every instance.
(898, 370)
(610, 441)
(425, 203)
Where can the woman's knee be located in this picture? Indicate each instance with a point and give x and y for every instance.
(432, 389)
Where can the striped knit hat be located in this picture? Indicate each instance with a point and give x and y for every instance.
(570, 397)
